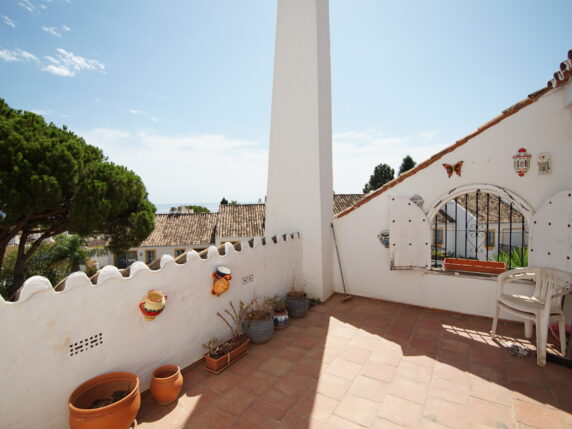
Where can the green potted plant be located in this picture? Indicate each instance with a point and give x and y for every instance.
(280, 313)
(297, 302)
(259, 323)
(220, 355)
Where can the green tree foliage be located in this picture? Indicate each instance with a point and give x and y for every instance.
(54, 261)
(51, 181)
(224, 201)
(382, 174)
(233, 203)
(199, 209)
(406, 164)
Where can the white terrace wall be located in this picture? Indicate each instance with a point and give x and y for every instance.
(37, 373)
(544, 126)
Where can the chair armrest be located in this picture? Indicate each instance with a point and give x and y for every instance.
(515, 275)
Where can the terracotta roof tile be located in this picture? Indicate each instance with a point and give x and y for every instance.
(241, 220)
(182, 229)
(343, 201)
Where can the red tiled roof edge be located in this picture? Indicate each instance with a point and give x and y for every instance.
(560, 78)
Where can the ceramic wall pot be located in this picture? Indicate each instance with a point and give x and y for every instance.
(297, 307)
(166, 384)
(100, 390)
(259, 331)
(153, 304)
(280, 319)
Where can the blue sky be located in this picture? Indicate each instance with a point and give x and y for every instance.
(180, 91)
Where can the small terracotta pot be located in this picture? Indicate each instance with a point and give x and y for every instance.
(166, 384)
(118, 415)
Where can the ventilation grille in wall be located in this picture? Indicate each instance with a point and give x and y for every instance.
(248, 279)
(86, 344)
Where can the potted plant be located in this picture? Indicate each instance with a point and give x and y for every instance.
(108, 401)
(280, 313)
(220, 355)
(297, 303)
(259, 323)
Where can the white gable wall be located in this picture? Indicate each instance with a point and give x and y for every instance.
(544, 126)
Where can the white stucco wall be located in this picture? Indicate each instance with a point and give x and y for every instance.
(38, 374)
(544, 126)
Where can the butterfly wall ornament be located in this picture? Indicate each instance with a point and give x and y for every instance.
(453, 168)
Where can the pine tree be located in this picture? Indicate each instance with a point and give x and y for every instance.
(382, 174)
(406, 164)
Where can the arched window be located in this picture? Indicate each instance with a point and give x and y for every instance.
(479, 225)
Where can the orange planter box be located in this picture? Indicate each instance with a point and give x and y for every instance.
(474, 266)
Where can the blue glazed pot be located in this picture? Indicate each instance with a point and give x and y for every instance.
(280, 320)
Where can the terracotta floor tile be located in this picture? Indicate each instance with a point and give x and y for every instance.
(408, 389)
(315, 406)
(537, 415)
(400, 411)
(308, 366)
(355, 354)
(446, 413)
(451, 373)
(379, 370)
(530, 392)
(276, 366)
(294, 421)
(235, 401)
(423, 345)
(369, 388)
(332, 385)
(258, 382)
(491, 414)
(344, 368)
(336, 422)
(358, 410)
(384, 424)
(489, 391)
(414, 372)
(449, 390)
(213, 418)
(292, 353)
(224, 381)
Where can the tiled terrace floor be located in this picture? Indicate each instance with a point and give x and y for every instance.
(370, 363)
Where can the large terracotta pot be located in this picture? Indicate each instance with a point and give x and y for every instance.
(118, 415)
(166, 384)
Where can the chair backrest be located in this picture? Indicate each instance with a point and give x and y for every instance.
(550, 282)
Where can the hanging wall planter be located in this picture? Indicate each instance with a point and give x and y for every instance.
(153, 304)
(221, 283)
(110, 401)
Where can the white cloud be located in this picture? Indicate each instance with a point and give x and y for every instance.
(67, 64)
(29, 6)
(54, 31)
(188, 167)
(428, 135)
(355, 155)
(9, 22)
(17, 55)
(41, 112)
(135, 112)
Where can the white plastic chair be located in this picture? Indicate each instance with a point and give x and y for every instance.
(545, 302)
